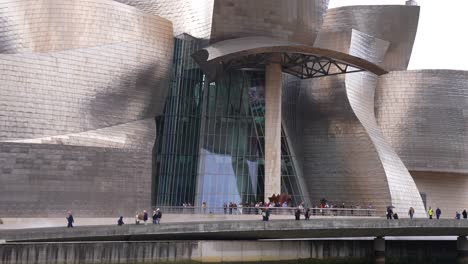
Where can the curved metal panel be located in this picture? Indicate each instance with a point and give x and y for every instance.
(340, 162)
(88, 89)
(424, 115)
(343, 135)
(395, 24)
(47, 25)
(360, 88)
(292, 20)
(78, 94)
(192, 17)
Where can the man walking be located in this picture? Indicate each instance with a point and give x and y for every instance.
(155, 217)
(70, 220)
(145, 216)
(430, 212)
(389, 213)
(465, 214)
(411, 212)
(438, 213)
(158, 216)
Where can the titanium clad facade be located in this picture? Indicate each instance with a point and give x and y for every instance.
(340, 162)
(104, 112)
(395, 24)
(193, 17)
(293, 20)
(81, 82)
(423, 115)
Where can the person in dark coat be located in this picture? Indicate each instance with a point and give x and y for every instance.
(145, 216)
(120, 221)
(298, 214)
(158, 216)
(438, 212)
(389, 213)
(155, 216)
(465, 214)
(266, 214)
(70, 220)
(307, 214)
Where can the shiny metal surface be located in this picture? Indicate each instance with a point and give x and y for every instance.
(395, 24)
(80, 84)
(222, 56)
(423, 115)
(344, 156)
(192, 17)
(291, 20)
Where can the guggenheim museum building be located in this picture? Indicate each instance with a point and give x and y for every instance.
(113, 106)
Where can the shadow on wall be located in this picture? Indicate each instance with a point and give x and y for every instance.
(7, 46)
(137, 95)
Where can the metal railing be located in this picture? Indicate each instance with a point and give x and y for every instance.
(348, 212)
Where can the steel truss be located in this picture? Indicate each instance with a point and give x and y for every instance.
(304, 66)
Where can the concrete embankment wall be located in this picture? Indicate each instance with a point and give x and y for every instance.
(222, 251)
(180, 251)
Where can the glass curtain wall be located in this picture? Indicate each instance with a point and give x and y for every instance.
(231, 155)
(176, 148)
(210, 140)
(289, 178)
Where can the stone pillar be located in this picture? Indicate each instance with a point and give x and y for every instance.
(379, 250)
(273, 91)
(462, 249)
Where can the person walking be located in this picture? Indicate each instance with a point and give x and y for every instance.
(137, 218)
(120, 221)
(266, 214)
(438, 213)
(411, 212)
(145, 217)
(298, 214)
(225, 208)
(307, 214)
(430, 212)
(158, 216)
(457, 215)
(204, 207)
(465, 214)
(154, 217)
(70, 220)
(389, 213)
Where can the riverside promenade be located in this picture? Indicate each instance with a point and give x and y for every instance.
(362, 239)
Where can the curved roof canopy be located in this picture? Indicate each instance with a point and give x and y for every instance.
(297, 59)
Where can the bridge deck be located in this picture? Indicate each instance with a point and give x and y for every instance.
(245, 230)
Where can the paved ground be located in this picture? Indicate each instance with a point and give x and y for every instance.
(21, 223)
(246, 230)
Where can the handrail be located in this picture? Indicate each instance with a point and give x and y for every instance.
(273, 210)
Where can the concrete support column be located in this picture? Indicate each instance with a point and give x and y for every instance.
(462, 249)
(379, 250)
(273, 91)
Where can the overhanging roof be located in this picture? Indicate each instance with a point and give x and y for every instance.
(300, 60)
